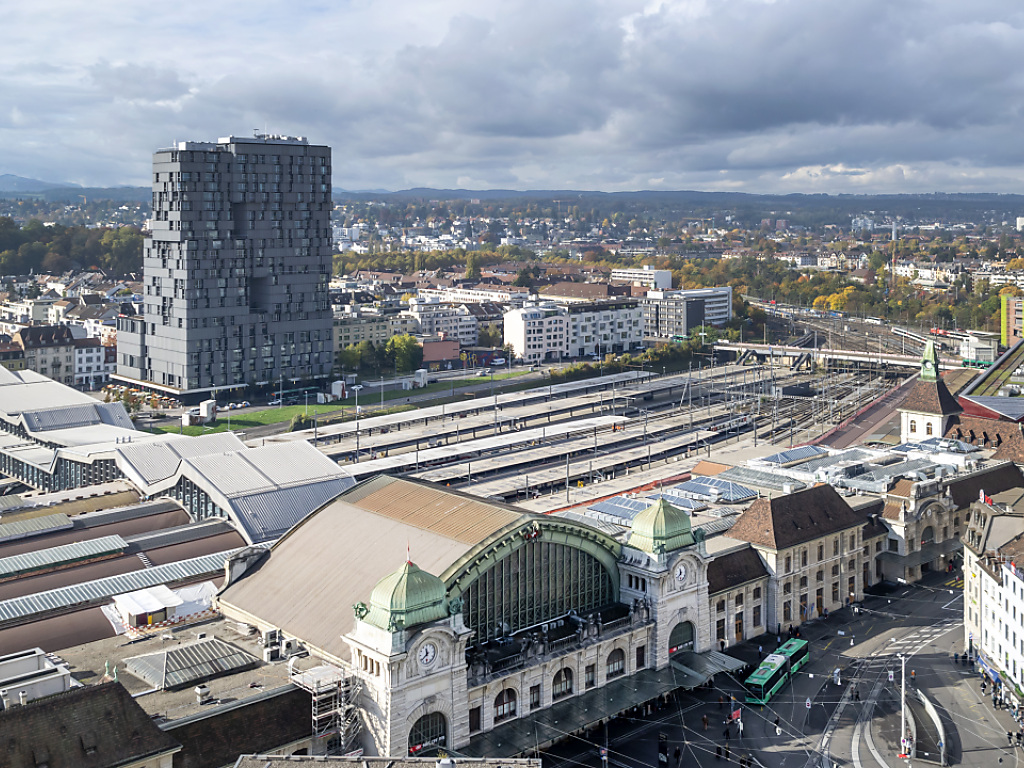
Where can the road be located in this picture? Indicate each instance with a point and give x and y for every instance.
(855, 723)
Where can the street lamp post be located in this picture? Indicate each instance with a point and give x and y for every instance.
(903, 705)
(356, 389)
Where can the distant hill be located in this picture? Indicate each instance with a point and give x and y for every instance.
(11, 183)
(62, 193)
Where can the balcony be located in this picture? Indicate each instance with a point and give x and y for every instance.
(535, 645)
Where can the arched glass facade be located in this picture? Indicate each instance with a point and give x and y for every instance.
(536, 582)
(429, 731)
(681, 637)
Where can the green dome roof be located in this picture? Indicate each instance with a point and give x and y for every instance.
(405, 598)
(661, 528)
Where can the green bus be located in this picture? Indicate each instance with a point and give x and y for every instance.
(797, 651)
(775, 670)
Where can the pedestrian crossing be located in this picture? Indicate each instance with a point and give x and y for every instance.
(956, 582)
(915, 640)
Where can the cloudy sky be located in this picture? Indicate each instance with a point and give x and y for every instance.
(750, 95)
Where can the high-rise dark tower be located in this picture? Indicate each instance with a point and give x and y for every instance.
(236, 268)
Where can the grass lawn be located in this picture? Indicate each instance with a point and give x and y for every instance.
(340, 410)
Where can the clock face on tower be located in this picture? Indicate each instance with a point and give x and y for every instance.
(680, 573)
(427, 654)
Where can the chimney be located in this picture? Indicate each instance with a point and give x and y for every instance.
(22, 697)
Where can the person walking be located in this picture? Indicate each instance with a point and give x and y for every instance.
(678, 755)
(705, 719)
(856, 694)
(721, 701)
(1009, 738)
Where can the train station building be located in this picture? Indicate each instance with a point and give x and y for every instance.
(469, 625)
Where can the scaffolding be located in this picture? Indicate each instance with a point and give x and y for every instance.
(335, 716)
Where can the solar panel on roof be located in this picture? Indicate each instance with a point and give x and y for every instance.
(794, 454)
(713, 489)
(677, 500)
(621, 507)
(760, 478)
(937, 444)
(854, 454)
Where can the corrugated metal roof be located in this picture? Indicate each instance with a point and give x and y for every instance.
(102, 589)
(10, 501)
(35, 392)
(365, 546)
(77, 415)
(149, 463)
(257, 470)
(43, 559)
(269, 515)
(184, 665)
(33, 526)
(463, 518)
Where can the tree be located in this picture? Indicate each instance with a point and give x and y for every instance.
(524, 278)
(404, 352)
(473, 266)
(489, 336)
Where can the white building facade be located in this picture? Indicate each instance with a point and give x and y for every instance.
(442, 318)
(537, 334)
(648, 277)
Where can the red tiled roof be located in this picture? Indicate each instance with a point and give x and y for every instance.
(931, 397)
(795, 518)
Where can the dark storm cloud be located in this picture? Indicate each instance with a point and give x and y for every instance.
(813, 95)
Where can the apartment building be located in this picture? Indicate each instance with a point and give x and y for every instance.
(604, 327)
(93, 363)
(477, 294)
(677, 313)
(443, 318)
(994, 586)
(353, 327)
(49, 350)
(647, 277)
(236, 268)
(537, 333)
(12, 357)
(551, 331)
